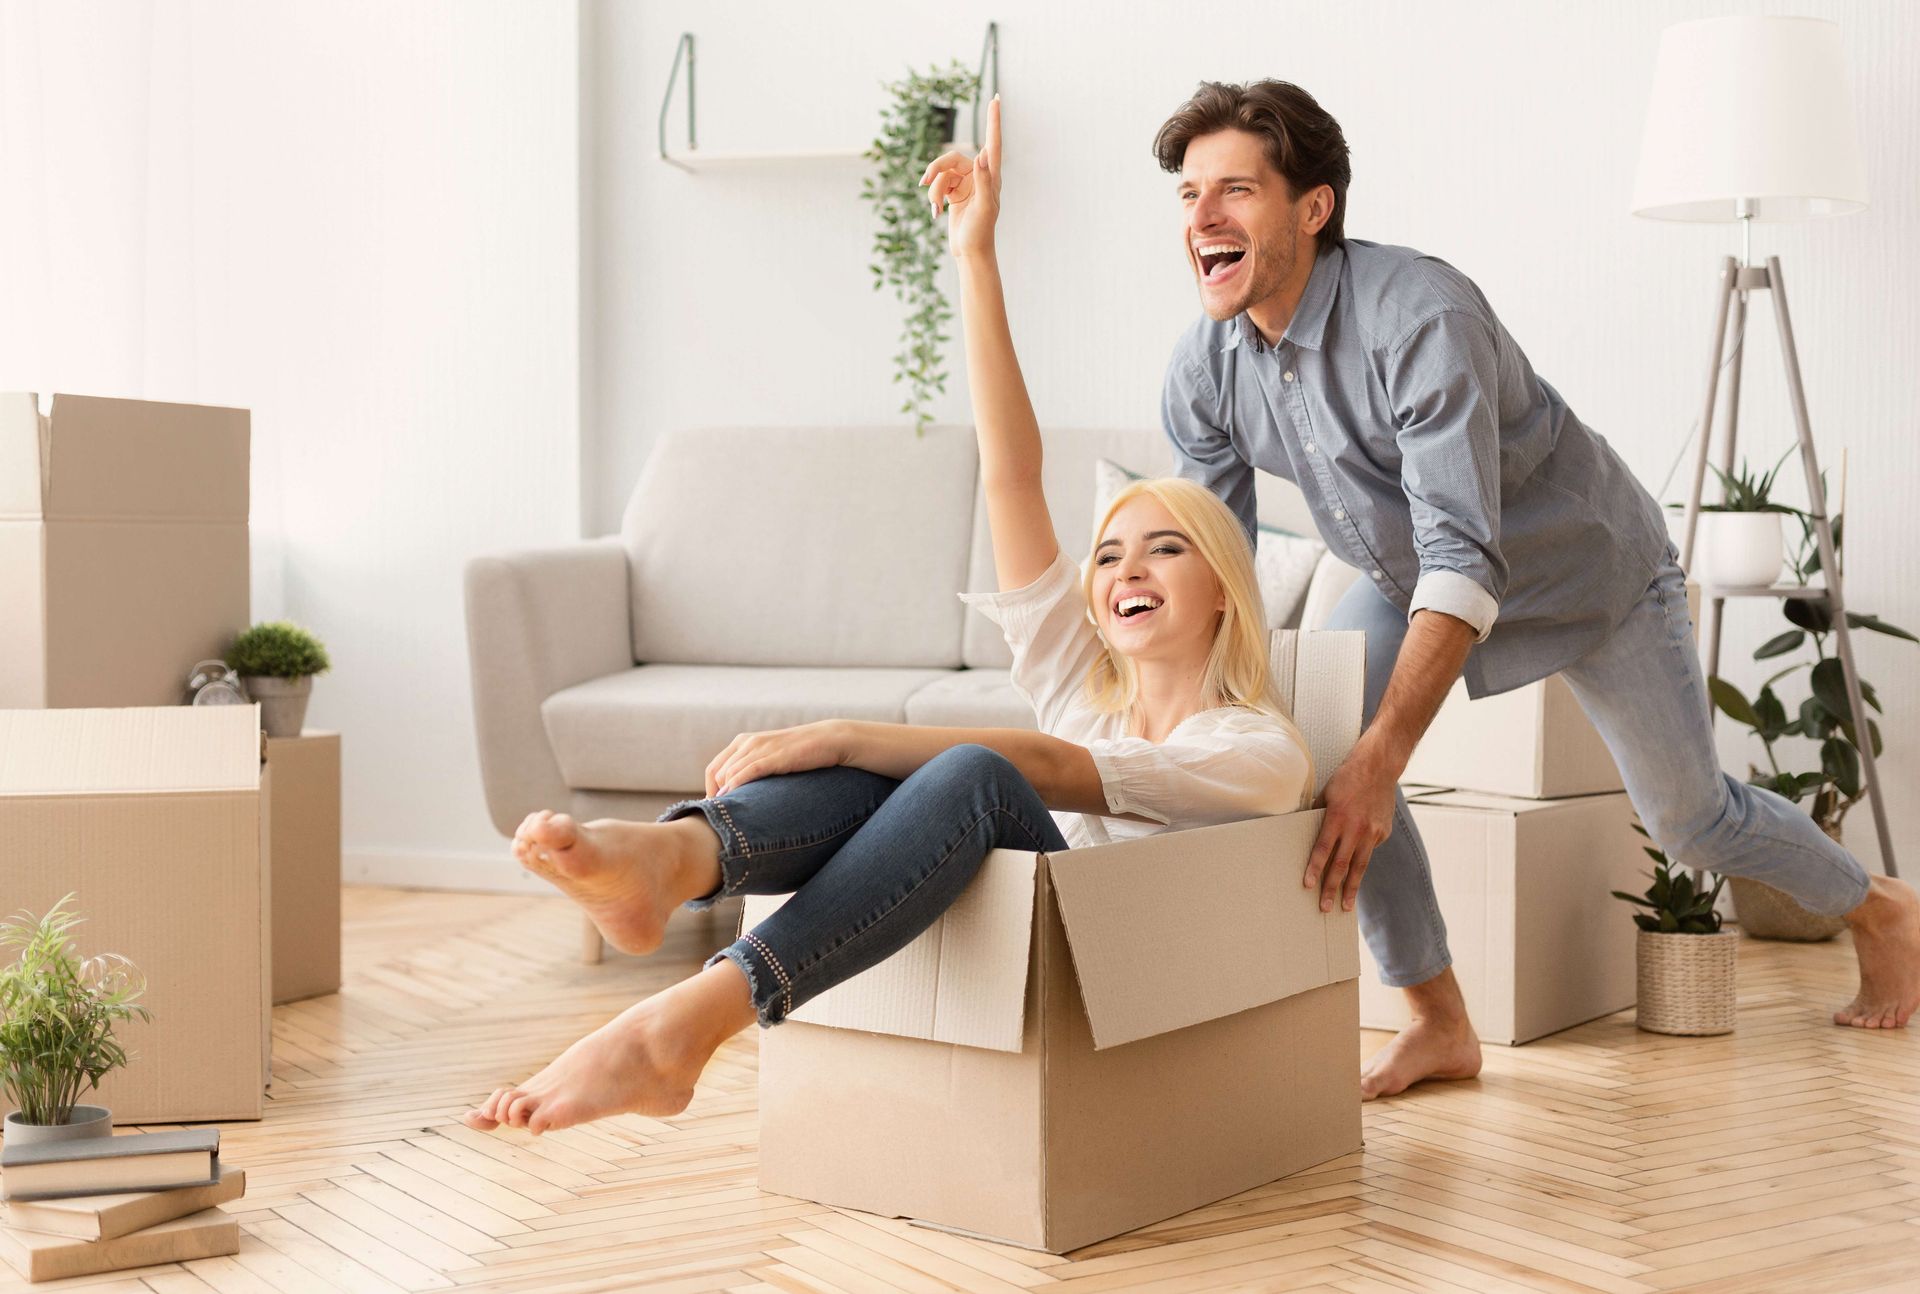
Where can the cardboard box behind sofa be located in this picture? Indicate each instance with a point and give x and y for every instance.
(1539, 944)
(1091, 1041)
(123, 547)
(152, 819)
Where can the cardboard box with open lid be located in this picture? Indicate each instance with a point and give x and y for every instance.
(123, 547)
(153, 819)
(1091, 1041)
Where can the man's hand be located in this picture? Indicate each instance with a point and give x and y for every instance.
(1359, 803)
(753, 755)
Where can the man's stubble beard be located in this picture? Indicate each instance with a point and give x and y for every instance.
(1274, 262)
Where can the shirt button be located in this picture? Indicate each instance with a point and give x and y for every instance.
(1287, 376)
(1379, 574)
(1309, 447)
(1339, 514)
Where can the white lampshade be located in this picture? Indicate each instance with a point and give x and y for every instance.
(1750, 113)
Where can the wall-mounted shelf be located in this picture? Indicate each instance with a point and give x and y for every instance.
(693, 160)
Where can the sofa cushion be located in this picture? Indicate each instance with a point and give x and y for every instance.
(971, 698)
(657, 727)
(791, 546)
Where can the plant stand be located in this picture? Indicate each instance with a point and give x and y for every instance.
(1736, 281)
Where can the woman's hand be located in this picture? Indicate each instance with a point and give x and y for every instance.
(970, 190)
(753, 755)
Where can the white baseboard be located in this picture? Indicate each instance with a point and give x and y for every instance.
(410, 869)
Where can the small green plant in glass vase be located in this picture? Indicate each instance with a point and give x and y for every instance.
(276, 661)
(1823, 717)
(1685, 960)
(57, 1017)
(909, 244)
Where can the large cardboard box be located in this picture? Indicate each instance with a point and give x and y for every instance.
(1090, 1041)
(304, 864)
(1534, 741)
(123, 547)
(152, 818)
(1539, 944)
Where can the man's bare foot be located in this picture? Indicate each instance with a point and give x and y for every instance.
(1886, 939)
(645, 1060)
(1424, 1049)
(628, 876)
(1440, 1043)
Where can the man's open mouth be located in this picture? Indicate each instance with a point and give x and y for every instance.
(1217, 264)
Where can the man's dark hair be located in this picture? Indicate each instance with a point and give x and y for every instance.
(1304, 142)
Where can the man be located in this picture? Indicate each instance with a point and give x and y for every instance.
(1495, 534)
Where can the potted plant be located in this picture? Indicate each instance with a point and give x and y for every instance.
(1685, 960)
(1823, 717)
(57, 1015)
(1741, 542)
(915, 128)
(276, 661)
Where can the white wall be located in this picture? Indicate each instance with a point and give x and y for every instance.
(359, 220)
(1501, 136)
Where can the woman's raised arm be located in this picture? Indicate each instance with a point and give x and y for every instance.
(969, 189)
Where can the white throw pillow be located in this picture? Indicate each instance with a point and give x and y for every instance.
(1283, 562)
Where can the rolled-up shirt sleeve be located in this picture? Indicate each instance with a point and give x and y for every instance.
(1241, 768)
(1443, 381)
(1203, 452)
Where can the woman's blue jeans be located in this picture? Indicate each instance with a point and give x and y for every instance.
(870, 861)
(1644, 692)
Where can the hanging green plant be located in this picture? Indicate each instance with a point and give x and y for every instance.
(909, 244)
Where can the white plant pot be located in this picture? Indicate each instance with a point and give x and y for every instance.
(87, 1121)
(1739, 549)
(283, 702)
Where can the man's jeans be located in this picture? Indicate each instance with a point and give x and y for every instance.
(1644, 692)
(870, 861)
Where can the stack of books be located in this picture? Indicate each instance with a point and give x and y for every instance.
(104, 1204)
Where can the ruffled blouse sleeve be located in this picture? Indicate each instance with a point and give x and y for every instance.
(1053, 642)
(1231, 766)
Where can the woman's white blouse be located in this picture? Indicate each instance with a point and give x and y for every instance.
(1217, 766)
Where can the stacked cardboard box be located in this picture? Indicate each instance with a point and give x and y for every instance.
(304, 854)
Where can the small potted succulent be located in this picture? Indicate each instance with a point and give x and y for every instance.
(57, 1015)
(276, 662)
(1741, 541)
(1685, 960)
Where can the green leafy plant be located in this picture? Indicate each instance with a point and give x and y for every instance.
(277, 649)
(57, 1014)
(909, 243)
(1747, 491)
(1674, 906)
(1824, 716)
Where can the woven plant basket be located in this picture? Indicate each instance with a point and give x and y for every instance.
(1686, 983)
(1767, 913)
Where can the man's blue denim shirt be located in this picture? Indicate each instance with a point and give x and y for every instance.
(1432, 456)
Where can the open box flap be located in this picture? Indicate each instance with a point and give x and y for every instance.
(1321, 677)
(146, 460)
(145, 749)
(1186, 926)
(963, 980)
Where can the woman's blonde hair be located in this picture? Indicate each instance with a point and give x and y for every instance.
(1237, 671)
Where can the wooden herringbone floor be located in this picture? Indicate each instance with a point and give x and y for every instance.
(1783, 1157)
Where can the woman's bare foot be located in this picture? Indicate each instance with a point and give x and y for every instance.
(628, 876)
(645, 1060)
(1886, 939)
(1439, 1043)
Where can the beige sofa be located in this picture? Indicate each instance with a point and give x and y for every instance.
(763, 578)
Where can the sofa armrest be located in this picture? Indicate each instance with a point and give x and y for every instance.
(539, 620)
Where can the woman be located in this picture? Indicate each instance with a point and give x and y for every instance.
(1147, 674)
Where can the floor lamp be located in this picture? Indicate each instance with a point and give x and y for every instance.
(1751, 120)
